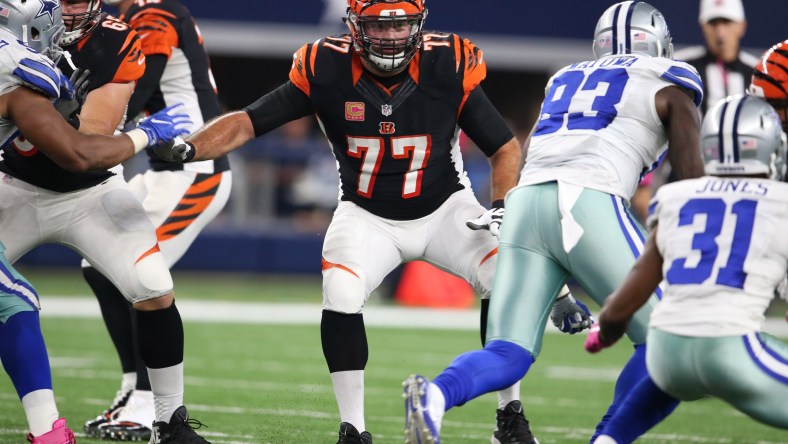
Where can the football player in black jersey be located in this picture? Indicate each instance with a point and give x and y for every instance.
(391, 99)
(96, 213)
(179, 199)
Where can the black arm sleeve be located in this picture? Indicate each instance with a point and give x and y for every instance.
(483, 123)
(278, 107)
(147, 84)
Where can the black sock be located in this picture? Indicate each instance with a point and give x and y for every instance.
(483, 320)
(143, 382)
(160, 335)
(344, 341)
(116, 311)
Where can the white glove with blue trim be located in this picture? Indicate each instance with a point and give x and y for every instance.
(570, 315)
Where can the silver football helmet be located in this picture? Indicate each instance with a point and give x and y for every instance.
(632, 27)
(742, 136)
(36, 23)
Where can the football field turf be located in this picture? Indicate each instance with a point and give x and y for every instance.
(264, 382)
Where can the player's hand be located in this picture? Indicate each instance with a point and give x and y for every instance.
(178, 150)
(782, 289)
(570, 315)
(490, 220)
(165, 125)
(594, 343)
(73, 92)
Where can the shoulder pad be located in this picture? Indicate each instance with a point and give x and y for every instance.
(475, 67)
(301, 63)
(156, 28)
(685, 76)
(35, 71)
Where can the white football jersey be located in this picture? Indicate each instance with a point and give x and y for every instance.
(598, 127)
(724, 253)
(21, 65)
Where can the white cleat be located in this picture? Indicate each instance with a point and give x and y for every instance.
(420, 428)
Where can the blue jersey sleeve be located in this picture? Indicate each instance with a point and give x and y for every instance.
(39, 75)
(686, 77)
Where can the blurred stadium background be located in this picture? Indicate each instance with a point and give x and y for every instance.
(285, 182)
(263, 252)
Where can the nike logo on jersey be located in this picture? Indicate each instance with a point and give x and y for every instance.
(141, 60)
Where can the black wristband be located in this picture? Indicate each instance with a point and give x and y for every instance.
(497, 203)
(192, 152)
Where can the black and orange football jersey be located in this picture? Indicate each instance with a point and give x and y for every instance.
(395, 144)
(166, 28)
(112, 53)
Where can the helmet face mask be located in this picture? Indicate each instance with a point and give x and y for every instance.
(80, 24)
(632, 27)
(742, 136)
(386, 33)
(37, 24)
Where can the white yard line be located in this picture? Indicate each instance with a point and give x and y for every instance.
(275, 313)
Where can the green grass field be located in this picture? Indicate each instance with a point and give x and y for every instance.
(269, 383)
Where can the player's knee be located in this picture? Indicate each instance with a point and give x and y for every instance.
(157, 303)
(151, 280)
(343, 291)
(18, 297)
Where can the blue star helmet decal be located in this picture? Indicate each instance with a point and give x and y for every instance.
(48, 7)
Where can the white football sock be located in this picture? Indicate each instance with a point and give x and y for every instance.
(604, 439)
(436, 404)
(167, 387)
(508, 395)
(40, 410)
(349, 391)
(128, 382)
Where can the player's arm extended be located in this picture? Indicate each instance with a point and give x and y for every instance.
(485, 126)
(633, 293)
(44, 127)
(231, 130)
(104, 108)
(681, 118)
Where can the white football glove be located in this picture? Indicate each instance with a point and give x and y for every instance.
(782, 288)
(570, 315)
(490, 220)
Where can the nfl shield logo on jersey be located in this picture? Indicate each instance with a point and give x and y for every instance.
(386, 110)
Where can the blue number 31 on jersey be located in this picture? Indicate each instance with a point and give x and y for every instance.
(732, 274)
(555, 108)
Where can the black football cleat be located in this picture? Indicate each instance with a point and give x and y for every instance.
(180, 430)
(512, 427)
(349, 435)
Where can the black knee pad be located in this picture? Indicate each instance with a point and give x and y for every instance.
(344, 341)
